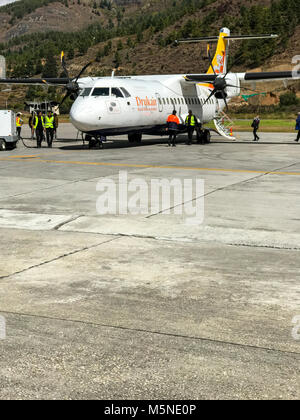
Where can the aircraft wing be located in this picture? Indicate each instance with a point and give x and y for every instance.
(63, 81)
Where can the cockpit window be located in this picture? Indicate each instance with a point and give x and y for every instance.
(126, 93)
(86, 92)
(116, 92)
(100, 91)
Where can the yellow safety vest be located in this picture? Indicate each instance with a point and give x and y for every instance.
(49, 122)
(19, 122)
(37, 120)
(193, 121)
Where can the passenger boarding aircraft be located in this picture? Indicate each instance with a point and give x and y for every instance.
(136, 105)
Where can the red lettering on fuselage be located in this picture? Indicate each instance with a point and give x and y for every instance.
(146, 104)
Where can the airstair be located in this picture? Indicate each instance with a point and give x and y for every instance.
(224, 125)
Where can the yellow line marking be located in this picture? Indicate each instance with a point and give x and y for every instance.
(19, 157)
(129, 165)
(186, 168)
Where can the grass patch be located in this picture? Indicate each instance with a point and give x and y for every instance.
(266, 125)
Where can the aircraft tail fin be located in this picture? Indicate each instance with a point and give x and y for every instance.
(219, 62)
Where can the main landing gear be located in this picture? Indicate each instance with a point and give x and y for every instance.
(135, 138)
(203, 136)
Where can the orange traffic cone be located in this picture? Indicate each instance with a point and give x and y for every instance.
(231, 133)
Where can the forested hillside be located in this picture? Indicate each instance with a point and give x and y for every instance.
(137, 36)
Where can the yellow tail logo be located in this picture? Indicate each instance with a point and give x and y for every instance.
(219, 61)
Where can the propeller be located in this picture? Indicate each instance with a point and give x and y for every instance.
(220, 84)
(72, 86)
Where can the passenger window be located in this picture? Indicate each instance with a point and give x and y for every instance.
(116, 92)
(86, 92)
(100, 92)
(164, 101)
(168, 101)
(182, 101)
(126, 93)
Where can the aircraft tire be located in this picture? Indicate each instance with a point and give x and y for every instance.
(207, 136)
(135, 138)
(2, 145)
(138, 138)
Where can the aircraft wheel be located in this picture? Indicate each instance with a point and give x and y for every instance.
(207, 136)
(135, 138)
(2, 145)
(11, 146)
(138, 138)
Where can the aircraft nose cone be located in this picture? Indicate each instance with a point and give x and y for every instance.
(83, 117)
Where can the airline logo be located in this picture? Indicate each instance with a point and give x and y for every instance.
(146, 104)
(219, 66)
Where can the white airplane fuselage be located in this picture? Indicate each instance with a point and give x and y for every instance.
(124, 105)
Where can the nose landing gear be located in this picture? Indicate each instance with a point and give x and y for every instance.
(96, 141)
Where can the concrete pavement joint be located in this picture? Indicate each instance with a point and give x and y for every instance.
(72, 219)
(154, 332)
(223, 188)
(184, 240)
(77, 251)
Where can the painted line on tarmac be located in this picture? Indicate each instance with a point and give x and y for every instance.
(186, 168)
(129, 165)
(8, 158)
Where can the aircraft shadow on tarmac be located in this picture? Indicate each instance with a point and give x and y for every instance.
(123, 144)
(163, 142)
(117, 144)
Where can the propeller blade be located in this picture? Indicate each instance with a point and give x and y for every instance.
(224, 98)
(83, 70)
(210, 61)
(244, 88)
(63, 63)
(64, 98)
(212, 94)
(234, 63)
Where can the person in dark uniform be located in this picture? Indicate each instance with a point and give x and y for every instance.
(298, 127)
(55, 125)
(31, 123)
(255, 126)
(172, 128)
(49, 126)
(191, 123)
(39, 127)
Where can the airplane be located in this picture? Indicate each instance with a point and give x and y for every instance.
(137, 105)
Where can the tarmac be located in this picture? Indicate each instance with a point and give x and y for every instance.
(150, 306)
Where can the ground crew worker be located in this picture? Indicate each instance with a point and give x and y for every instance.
(31, 124)
(298, 127)
(55, 125)
(19, 123)
(49, 126)
(172, 128)
(39, 127)
(191, 123)
(255, 126)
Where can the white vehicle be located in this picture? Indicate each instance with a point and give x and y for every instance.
(8, 130)
(134, 105)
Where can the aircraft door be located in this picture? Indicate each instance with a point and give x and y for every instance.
(159, 102)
